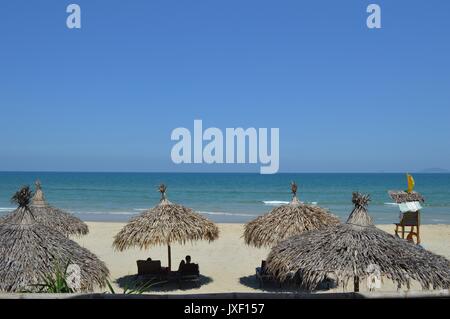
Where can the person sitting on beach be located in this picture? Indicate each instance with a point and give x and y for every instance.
(182, 262)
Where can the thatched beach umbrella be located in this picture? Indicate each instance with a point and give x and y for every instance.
(165, 224)
(31, 251)
(408, 195)
(287, 220)
(352, 250)
(404, 197)
(55, 218)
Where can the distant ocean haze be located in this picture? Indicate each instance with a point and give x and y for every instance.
(225, 197)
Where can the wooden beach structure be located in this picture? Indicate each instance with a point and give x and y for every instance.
(30, 251)
(352, 251)
(409, 203)
(165, 224)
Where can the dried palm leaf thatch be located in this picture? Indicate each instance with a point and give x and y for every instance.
(53, 217)
(403, 197)
(66, 223)
(165, 224)
(31, 251)
(349, 251)
(22, 197)
(287, 220)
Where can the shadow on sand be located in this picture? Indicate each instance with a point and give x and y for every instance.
(131, 282)
(273, 286)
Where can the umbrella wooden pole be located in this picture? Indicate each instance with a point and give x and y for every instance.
(356, 284)
(170, 257)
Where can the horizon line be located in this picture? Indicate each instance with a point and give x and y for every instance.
(255, 173)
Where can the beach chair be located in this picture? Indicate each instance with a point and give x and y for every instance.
(150, 269)
(262, 275)
(189, 272)
(412, 220)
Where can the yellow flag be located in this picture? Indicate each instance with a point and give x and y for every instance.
(411, 183)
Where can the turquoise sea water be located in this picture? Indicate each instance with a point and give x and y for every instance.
(225, 197)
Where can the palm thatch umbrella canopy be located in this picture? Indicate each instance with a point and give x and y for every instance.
(408, 195)
(350, 250)
(404, 196)
(285, 221)
(53, 217)
(165, 224)
(31, 251)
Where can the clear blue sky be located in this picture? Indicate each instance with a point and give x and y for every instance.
(106, 97)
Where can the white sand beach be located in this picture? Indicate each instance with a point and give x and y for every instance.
(227, 264)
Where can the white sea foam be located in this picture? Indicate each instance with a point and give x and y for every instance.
(106, 213)
(6, 209)
(391, 204)
(143, 209)
(227, 214)
(274, 202)
(280, 202)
